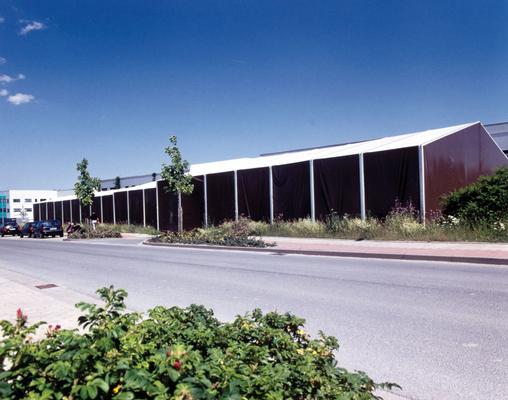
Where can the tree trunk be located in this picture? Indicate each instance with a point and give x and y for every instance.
(180, 213)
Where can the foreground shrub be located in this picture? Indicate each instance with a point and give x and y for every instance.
(174, 353)
(101, 232)
(485, 201)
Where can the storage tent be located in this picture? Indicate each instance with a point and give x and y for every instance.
(364, 178)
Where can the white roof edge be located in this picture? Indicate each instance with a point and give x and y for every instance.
(459, 128)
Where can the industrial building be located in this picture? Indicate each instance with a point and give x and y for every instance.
(361, 179)
(19, 204)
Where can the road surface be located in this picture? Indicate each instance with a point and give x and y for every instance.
(438, 329)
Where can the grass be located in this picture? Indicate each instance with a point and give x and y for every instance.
(126, 228)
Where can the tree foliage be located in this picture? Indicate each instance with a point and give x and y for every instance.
(176, 173)
(118, 183)
(86, 185)
(484, 201)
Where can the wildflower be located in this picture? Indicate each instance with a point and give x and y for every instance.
(168, 353)
(300, 351)
(301, 332)
(20, 316)
(117, 388)
(177, 364)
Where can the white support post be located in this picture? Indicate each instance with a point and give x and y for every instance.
(157, 205)
(70, 210)
(271, 193)
(114, 209)
(80, 212)
(205, 200)
(102, 211)
(421, 174)
(61, 207)
(54, 210)
(363, 211)
(312, 197)
(144, 209)
(236, 196)
(128, 209)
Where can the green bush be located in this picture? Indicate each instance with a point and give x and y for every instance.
(101, 232)
(485, 201)
(174, 353)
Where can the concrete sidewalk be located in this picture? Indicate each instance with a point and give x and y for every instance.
(475, 252)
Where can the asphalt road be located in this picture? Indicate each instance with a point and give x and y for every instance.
(438, 329)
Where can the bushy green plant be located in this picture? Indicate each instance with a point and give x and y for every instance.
(101, 231)
(174, 353)
(485, 201)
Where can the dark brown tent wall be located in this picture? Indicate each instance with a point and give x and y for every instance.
(121, 207)
(220, 190)
(51, 210)
(193, 205)
(58, 211)
(66, 211)
(135, 207)
(458, 160)
(37, 212)
(168, 208)
(390, 176)
(75, 210)
(107, 209)
(151, 208)
(254, 193)
(85, 212)
(337, 186)
(291, 190)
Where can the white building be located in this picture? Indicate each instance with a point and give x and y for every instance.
(19, 203)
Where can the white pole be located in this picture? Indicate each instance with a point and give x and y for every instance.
(312, 198)
(128, 209)
(80, 212)
(61, 204)
(271, 193)
(70, 209)
(54, 210)
(363, 212)
(102, 211)
(144, 209)
(46, 211)
(421, 173)
(157, 205)
(205, 200)
(114, 211)
(236, 196)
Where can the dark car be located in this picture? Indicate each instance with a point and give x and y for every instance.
(27, 230)
(9, 228)
(52, 227)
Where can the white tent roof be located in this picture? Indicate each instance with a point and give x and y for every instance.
(370, 146)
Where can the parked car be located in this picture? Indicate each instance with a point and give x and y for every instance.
(52, 227)
(9, 228)
(27, 230)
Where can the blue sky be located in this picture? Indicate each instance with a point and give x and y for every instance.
(112, 80)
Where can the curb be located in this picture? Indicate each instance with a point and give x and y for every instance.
(388, 256)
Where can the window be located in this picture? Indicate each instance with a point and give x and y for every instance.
(28, 200)
(28, 209)
(16, 200)
(17, 210)
(43, 199)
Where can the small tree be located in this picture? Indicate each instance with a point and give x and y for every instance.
(154, 176)
(118, 183)
(86, 185)
(176, 176)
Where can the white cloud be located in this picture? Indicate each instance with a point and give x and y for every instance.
(2, 60)
(20, 98)
(3, 92)
(8, 79)
(31, 26)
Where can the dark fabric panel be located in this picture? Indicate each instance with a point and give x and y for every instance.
(96, 206)
(121, 207)
(390, 176)
(151, 208)
(44, 215)
(337, 186)
(58, 211)
(136, 207)
(254, 193)
(291, 191)
(51, 211)
(75, 210)
(168, 208)
(66, 211)
(107, 209)
(85, 213)
(221, 197)
(37, 212)
(193, 205)
(458, 160)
